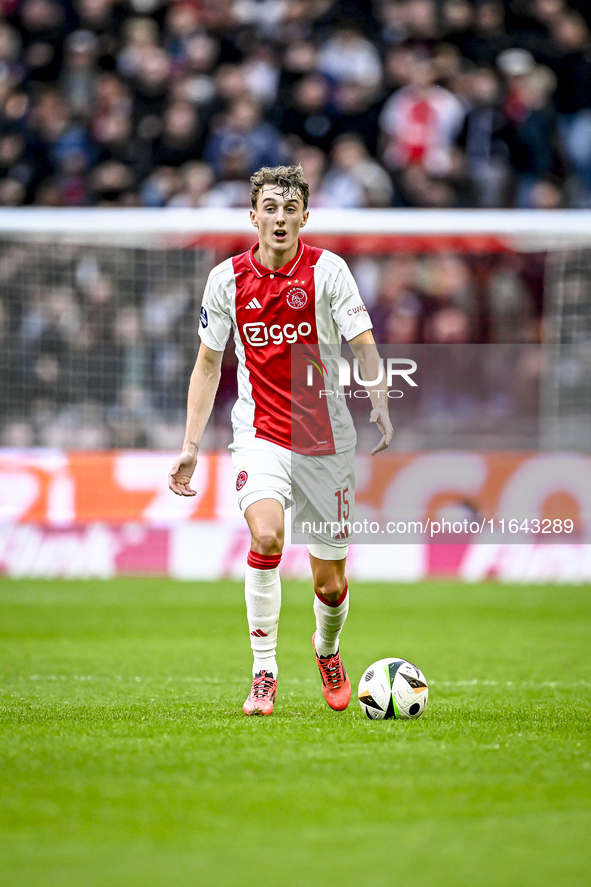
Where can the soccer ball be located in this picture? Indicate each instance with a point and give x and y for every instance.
(393, 688)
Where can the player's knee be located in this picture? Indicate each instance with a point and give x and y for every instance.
(330, 589)
(267, 540)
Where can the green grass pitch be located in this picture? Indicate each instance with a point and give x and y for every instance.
(126, 759)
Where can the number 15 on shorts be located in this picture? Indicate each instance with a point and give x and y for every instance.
(342, 498)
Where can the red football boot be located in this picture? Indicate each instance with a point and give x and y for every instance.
(336, 686)
(262, 695)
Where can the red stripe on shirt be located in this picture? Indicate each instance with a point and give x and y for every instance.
(287, 411)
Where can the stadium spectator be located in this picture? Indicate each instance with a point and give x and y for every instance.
(112, 183)
(457, 18)
(356, 108)
(181, 138)
(547, 194)
(79, 71)
(262, 75)
(355, 179)
(14, 168)
(487, 37)
(403, 327)
(112, 96)
(105, 19)
(299, 60)
(42, 27)
(151, 81)
(141, 39)
(446, 283)
(308, 116)
(264, 15)
(10, 48)
(531, 130)
(240, 141)
(416, 188)
(185, 39)
(347, 56)
(510, 306)
(420, 19)
(161, 186)
(398, 308)
(543, 17)
(197, 180)
(486, 155)
(420, 122)
(448, 326)
(572, 66)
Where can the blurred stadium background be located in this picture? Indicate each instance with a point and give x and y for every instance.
(448, 147)
(128, 133)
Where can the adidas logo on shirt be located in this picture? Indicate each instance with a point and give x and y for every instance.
(254, 303)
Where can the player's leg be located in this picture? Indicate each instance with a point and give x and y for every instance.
(263, 485)
(262, 592)
(262, 582)
(331, 606)
(265, 521)
(331, 602)
(264, 489)
(323, 489)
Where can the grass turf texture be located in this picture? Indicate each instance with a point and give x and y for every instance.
(126, 759)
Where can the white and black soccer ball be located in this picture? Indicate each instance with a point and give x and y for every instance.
(393, 688)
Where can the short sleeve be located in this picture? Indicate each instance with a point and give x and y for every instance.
(348, 310)
(215, 322)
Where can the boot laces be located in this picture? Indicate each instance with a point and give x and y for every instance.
(263, 686)
(332, 669)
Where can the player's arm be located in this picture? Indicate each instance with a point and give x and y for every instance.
(203, 386)
(364, 349)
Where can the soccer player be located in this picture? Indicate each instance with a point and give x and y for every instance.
(278, 294)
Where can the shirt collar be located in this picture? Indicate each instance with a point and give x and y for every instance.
(286, 271)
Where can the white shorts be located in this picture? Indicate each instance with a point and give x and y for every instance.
(322, 488)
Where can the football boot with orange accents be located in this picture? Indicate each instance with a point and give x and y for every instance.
(262, 695)
(336, 686)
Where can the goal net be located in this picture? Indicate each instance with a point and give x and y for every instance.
(99, 315)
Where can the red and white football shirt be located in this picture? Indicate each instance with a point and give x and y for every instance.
(422, 125)
(312, 301)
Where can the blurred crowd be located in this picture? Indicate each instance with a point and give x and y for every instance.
(421, 103)
(409, 103)
(97, 343)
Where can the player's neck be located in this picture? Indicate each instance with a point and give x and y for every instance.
(272, 259)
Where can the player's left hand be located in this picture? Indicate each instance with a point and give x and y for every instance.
(380, 417)
(179, 476)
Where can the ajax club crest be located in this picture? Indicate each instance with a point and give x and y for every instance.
(296, 297)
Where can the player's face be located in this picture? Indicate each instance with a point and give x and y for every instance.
(279, 217)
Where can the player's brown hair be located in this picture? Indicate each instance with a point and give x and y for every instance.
(289, 179)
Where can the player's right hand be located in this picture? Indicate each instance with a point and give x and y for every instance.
(179, 476)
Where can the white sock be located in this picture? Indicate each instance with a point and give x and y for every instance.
(329, 622)
(262, 590)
